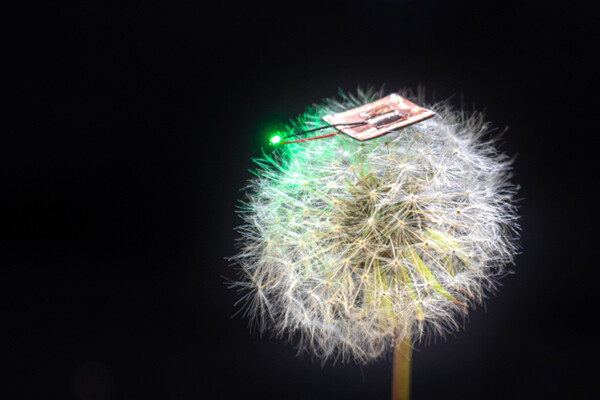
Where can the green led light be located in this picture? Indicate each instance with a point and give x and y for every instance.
(275, 139)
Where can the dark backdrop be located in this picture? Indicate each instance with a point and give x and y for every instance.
(131, 127)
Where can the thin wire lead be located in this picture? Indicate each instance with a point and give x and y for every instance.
(310, 138)
(325, 127)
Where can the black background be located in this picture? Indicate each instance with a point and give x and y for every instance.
(130, 130)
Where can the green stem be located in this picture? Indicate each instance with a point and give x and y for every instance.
(401, 370)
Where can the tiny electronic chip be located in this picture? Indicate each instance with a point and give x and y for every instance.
(379, 117)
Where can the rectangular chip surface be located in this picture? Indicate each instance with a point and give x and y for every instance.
(381, 116)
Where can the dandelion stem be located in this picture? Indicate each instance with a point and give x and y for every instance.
(401, 370)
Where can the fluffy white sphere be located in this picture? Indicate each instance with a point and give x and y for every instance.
(356, 245)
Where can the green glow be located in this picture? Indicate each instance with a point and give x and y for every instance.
(275, 139)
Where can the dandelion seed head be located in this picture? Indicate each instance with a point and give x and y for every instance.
(355, 245)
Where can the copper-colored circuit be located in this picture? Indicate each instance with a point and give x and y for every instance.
(379, 117)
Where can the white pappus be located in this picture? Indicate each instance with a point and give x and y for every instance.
(357, 245)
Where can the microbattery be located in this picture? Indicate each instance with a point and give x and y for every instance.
(379, 117)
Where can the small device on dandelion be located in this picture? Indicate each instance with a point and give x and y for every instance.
(368, 121)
